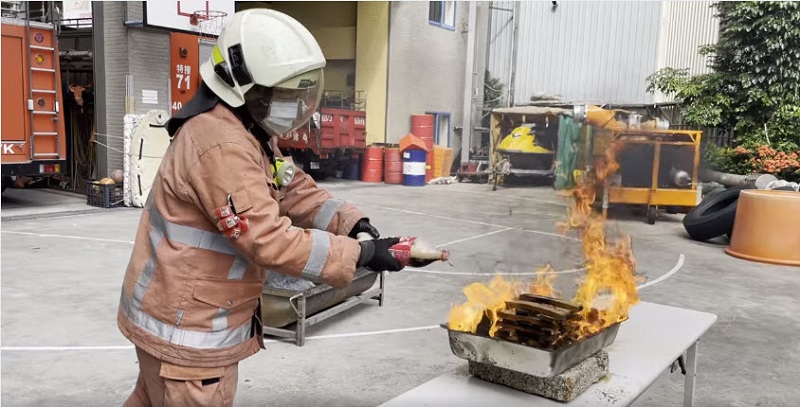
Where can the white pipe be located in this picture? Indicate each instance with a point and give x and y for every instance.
(514, 40)
(469, 76)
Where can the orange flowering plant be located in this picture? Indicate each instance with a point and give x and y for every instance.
(782, 161)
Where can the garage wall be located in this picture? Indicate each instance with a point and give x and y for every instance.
(111, 66)
(141, 53)
(426, 68)
(149, 63)
(372, 58)
(332, 23)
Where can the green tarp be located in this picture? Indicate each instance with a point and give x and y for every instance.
(569, 146)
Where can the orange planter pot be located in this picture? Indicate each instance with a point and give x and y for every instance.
(767, 227)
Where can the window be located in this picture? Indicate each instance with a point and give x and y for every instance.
(442, 13)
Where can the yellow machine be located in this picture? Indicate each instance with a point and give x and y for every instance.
(657, 168)
(523, 143)
(521, 140)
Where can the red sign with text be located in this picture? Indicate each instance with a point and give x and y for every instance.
(185, 67)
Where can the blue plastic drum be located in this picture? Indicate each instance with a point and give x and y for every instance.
(414, 168)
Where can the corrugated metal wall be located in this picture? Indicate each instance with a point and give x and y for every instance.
(149, 63)
(596, 51)
(587, 51)
(111, 66)
(426, 68)
(685, 26)
(142, 53)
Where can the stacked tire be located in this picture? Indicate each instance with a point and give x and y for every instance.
(714, 216)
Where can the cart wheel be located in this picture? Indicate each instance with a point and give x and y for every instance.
(652, 213)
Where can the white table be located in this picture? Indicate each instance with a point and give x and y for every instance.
(647, 344)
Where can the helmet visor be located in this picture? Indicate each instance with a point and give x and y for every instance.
(288, 105)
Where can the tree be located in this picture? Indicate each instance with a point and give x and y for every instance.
(754, 87)
(492, 96)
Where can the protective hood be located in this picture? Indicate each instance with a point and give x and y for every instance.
(203, 101)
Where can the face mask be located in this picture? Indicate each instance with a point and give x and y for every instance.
(280, 110)
(282, 115)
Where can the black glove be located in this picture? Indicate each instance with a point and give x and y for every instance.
(375, 255)
(364, 226)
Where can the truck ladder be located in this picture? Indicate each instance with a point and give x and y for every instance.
(50, 72)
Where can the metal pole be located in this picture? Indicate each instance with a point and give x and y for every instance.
(514, 40)
(469, 72)
(691, 375)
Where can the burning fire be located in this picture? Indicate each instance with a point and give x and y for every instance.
(483, 299)
(608, 289)
(543, 283)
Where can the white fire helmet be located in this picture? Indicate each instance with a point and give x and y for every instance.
(270, 63)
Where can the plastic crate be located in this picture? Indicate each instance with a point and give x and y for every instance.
(104, 195)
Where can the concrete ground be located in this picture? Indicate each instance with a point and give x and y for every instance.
(61, 277)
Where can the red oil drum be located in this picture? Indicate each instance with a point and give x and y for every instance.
(372, 165)
(422, 127)
(393, 166)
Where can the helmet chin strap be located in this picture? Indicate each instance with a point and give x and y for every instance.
(257, 131)
(263, 138)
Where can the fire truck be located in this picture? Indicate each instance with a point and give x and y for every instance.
(32, 135)
(333, 138)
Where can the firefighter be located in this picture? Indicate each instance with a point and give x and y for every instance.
(226, 209)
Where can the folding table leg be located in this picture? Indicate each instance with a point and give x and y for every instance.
(691, 372)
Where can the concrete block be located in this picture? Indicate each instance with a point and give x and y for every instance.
(563, 387)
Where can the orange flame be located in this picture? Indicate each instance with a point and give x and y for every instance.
(608, 289)
(543, 283)
(483, 300)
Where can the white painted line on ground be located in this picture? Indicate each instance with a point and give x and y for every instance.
(370, 333)
(75, 215)
(473, 237)
(130, 347)
(63, 348)
(538, 232)
(98, 239)
(465, 273)
(547, 201)
(669, 274)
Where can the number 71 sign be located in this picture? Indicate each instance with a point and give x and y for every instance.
(184, 62)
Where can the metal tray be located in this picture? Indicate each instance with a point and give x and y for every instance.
(278, 308)
(527, 359)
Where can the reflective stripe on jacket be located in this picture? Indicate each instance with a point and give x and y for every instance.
(190, 295)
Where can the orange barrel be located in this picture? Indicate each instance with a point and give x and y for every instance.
(422, 127)
(393, 166)
(372, 165)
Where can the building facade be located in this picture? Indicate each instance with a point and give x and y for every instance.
(403, 58)
(596, 52)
